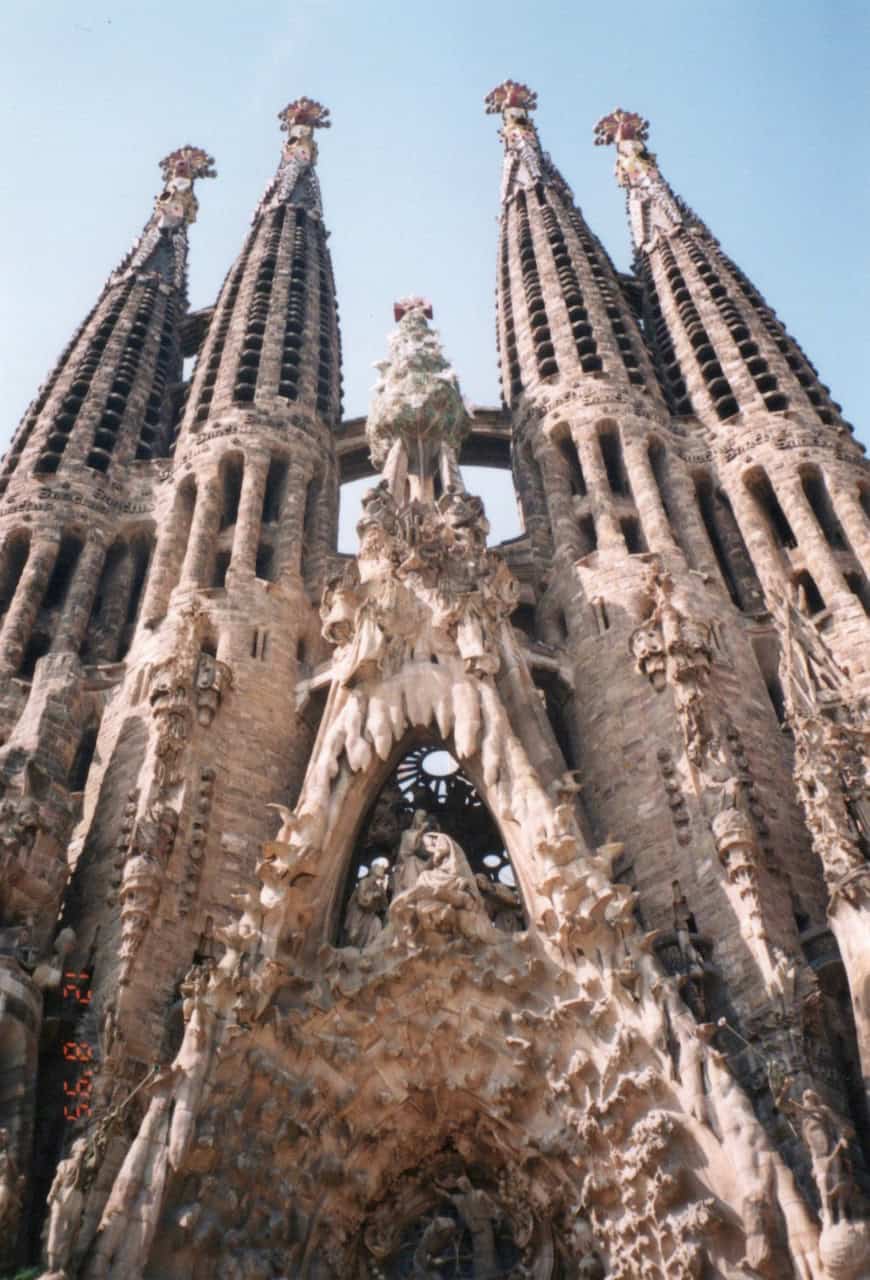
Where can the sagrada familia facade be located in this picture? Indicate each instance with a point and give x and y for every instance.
(443, 910)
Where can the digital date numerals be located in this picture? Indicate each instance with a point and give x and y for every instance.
(78, 1096)
(76, 988)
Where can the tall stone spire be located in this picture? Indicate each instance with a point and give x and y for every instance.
(106, 399)
(720, 348)
(781, 446)
(274, 339)
(561, 311)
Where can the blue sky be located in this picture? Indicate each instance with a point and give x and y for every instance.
(760, 116)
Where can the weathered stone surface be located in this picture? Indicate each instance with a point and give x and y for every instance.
(556, 965)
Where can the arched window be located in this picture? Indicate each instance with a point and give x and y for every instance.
(568, 452)
(759, 486)
(232, 468)
(14, 559)
(816, 493)
(614, 464)
(809, 593)
(84, 755)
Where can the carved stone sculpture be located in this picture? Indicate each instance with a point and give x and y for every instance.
(65, 1202)
(364, 918)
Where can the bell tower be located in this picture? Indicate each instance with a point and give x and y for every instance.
(784, 453)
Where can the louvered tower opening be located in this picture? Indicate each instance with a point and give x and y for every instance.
(603, 275)
(717, 385)
(206, 391)
(66, 418)
(294, 321)
(245, 386)
(542, 342)
(109, 426)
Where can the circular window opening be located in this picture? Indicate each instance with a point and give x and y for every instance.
(439, 764)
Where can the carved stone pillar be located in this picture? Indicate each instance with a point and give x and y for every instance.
(25, 606)
(73, 621)
(164, 569)
(289, 540)
(851, 515)
(648, 500)
(817, 553)
(106, 630)
(563, 523)
(250, 516)
(606, 524)
(767, 556)
(203, 531)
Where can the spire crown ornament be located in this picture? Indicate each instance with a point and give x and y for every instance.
(176, 203)
(510, 95)
(296, 182)
(628, 132)
(621, 126)
(304, 113)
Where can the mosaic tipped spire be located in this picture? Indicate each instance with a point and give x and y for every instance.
(296, 182)
(525, 164)
(180, 169)
(510, 94)
(628, 132)
(304, 113)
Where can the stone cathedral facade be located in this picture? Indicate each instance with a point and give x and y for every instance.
(448, 909)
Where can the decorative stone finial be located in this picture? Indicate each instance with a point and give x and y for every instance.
(296, 180)
(621, 126)
(628, 132)
(162, 246)
(525, 164)
(510, 94)
(304, 112)
(403, 305)
(187, 162)
(176, 203)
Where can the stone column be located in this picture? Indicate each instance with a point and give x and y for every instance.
(767, 556)
(25, 606)
(203, 531)
(288, 545)
(851, 515)
(80, 597)
(647, 499)
(6, 584)
(818, 556)
(172, 542)
(249, 520)
(606, 524)
(557, 492)
(118, 580)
